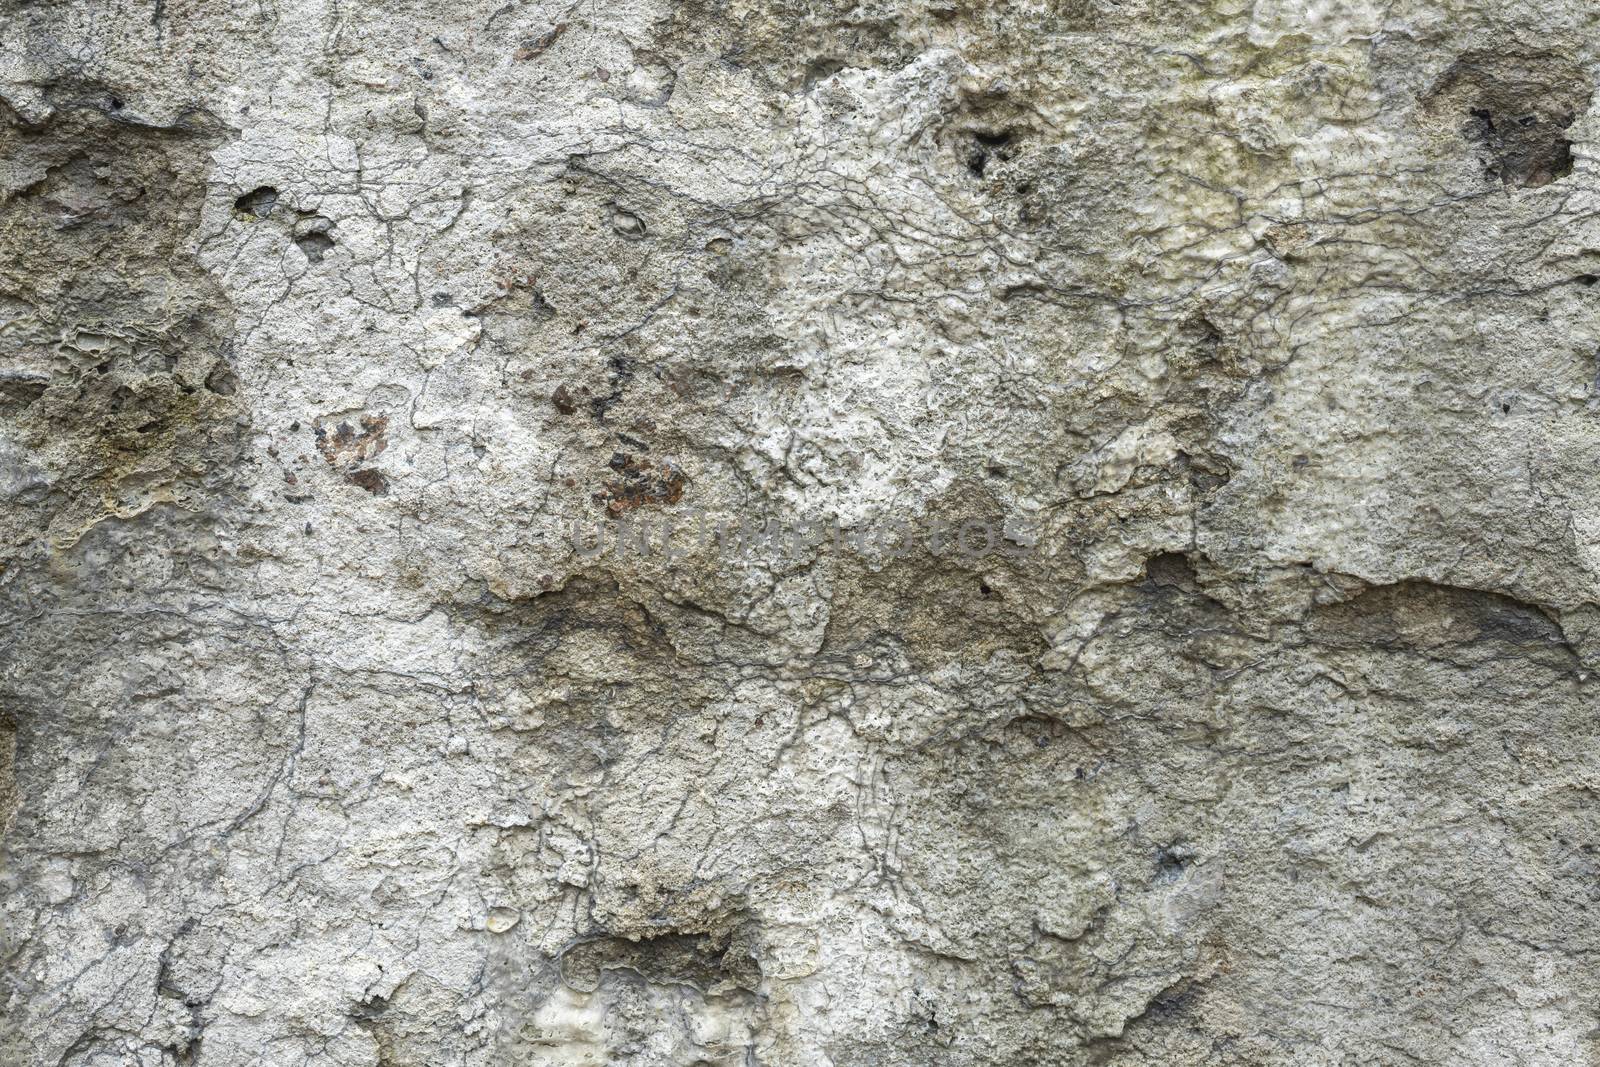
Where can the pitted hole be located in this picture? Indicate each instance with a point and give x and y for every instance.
(1171, 862)
(628, 225)
(315, 245)
(1171, 569)
(820, 70)
(22, 387)
(222, 380)
(258, 202)
(987, 146)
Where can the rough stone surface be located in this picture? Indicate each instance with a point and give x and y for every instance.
(1268, 733)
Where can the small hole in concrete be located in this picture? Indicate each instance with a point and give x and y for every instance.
(314, 245)
(627, 224)
(258, 202)
(222, 380)
(987, 146)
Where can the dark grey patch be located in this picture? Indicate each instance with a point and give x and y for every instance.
(820, 70)
(1171, 569)
(1516, 108)
(704, 961)
(315, 245)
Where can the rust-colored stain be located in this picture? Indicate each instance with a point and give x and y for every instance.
(534, 48)
(642, 482)
(372, 481)
(347, 448)
(346, 445)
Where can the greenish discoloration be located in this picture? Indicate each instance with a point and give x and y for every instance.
(126, 336)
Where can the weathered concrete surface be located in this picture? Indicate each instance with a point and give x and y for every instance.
(324, 741)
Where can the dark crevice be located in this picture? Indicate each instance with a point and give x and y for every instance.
(987, 146)
(258, 202)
